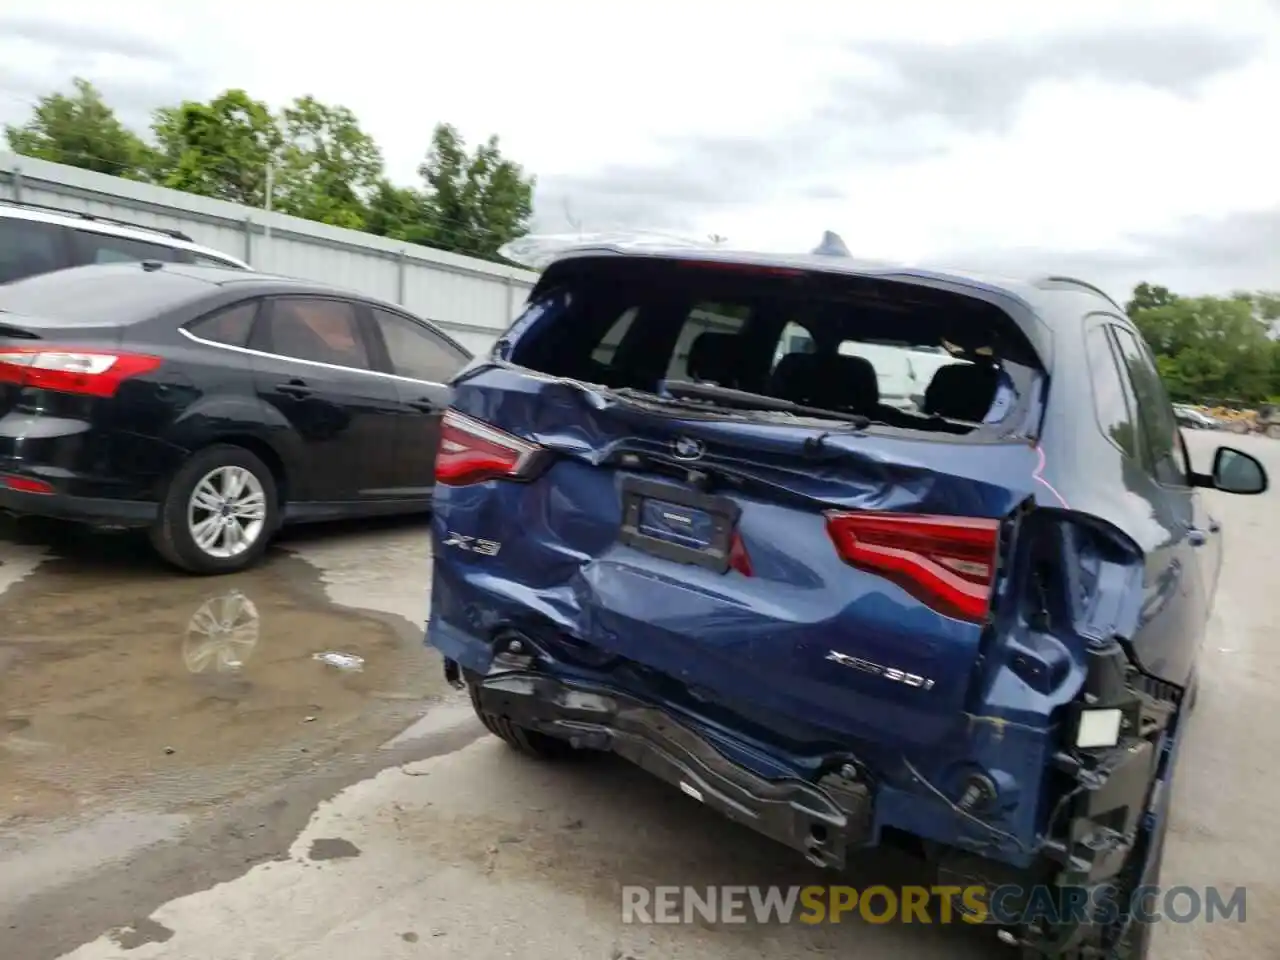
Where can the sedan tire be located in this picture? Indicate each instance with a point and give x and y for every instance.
(219, 512)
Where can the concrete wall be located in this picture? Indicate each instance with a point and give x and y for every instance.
(472, 299)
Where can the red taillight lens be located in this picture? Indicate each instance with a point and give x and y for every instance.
(25, 484)
(739, 559)
(947, 563)
(90, 373)
(472, 452)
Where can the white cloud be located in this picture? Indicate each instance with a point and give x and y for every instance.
(1088, 132)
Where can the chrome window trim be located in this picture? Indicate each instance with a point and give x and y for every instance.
(310, 363)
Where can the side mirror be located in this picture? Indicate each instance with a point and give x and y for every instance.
(1238, 472)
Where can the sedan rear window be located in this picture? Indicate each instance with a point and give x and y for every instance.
(105, 295)
(899, 354)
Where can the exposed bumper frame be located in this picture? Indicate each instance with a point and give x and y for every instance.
(820, 821)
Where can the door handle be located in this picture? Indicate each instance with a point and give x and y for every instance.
(1196, 537)
(295, 388)
(425, 405)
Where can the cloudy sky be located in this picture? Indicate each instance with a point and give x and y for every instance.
(1120, 140)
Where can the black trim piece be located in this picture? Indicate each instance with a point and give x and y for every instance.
(724, 512)
(92, 510)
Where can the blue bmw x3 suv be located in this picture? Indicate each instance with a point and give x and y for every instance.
(678, 518)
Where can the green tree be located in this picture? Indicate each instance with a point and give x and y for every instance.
(220, 149)
(329, 167)
(1147, 296)
(1208, 346)
(318, 162)
(399, 213)
(81, 130)
(477, 201)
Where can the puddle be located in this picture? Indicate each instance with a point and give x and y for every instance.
(119, 677)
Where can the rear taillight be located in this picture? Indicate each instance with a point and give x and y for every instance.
(472, 452)
(25, 484)
(947, 563)
(91, 373)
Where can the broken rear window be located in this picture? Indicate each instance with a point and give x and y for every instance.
(900, 354)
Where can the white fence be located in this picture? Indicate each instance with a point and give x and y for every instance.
(473, 300)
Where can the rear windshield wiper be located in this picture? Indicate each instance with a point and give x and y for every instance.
(744, 400)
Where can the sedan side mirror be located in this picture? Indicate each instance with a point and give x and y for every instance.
(1237, 472)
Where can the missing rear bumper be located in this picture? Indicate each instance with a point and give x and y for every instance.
(820, 821)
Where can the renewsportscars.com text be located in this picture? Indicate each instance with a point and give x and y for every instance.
(1005, 906)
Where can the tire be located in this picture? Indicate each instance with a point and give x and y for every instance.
(1273, 431)
(173, 534)
(530, 743)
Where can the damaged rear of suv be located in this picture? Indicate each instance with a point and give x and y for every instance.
(675, 520)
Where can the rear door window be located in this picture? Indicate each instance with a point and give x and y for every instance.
(313, 329)
(608, 347)
(94, 247)
(230, 326)
(415, 351)
(708, 346)
(29, 248)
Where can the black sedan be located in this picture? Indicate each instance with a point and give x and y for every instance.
(211, 406)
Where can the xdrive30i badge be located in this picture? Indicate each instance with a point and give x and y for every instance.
(880, 670)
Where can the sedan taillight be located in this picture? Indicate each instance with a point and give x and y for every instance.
(90, 373)
(472, 451)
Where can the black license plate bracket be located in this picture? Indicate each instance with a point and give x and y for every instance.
(718, 515)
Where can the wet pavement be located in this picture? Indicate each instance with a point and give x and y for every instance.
(120, 679)
(181, 778)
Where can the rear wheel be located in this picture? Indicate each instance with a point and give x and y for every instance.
(531, 743)
(1273, 431)
(218, 513)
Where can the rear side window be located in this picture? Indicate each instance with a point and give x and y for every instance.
(895, 352)
(93, 247)
(1155, 412)
(313, 329)
(1114, 416)
(414, 351)
(230, 326)
(29, 248)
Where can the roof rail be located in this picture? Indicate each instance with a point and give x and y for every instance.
(1050, 282)
(83, 215)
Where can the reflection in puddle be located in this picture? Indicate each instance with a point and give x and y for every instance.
(221, 635)
(118, 678)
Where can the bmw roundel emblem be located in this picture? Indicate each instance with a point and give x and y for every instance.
(687, 448)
